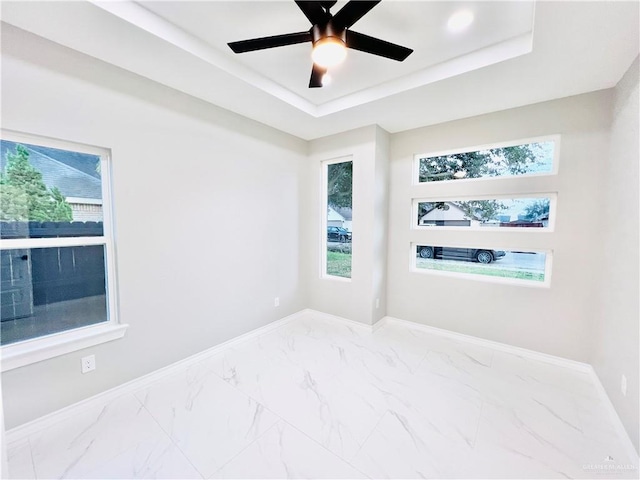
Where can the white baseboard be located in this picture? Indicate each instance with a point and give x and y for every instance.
(615, 418)
(334, 318)
(539, 356)
(22, 431)
(503, 347)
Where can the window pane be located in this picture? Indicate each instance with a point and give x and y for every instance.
(518, 212)
(49, 290)
(339, 210)
(48, 192)
(496, 162)
(518, 265)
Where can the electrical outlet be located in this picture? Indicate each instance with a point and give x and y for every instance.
(88, 363)
(623, 385)
(276, 302)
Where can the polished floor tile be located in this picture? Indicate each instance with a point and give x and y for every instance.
(209, 420)
(19, 461)
(284, 452)
(321, 398)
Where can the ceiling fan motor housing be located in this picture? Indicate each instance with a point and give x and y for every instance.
(327, 30)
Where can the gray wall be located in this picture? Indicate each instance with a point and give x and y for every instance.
(206, 209)
(553, 320)
(616, 332)
(178, 161)
(355, 299)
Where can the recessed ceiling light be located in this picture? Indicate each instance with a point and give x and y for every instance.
(326, 80)
(460, 20)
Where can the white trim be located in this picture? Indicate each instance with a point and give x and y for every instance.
(23, 431)
(615, 418)
(41, 348)
(503, 347)
(15, 355)
(335, 318)
(20, 243)
(44, 141)
(4, 463)
(548, 263)
(85, 201)
(324, 205)
(551, 196)
(111, 283)
(555, 138)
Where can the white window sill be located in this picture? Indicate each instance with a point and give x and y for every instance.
(19, 354)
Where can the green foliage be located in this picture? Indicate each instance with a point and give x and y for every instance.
(339, 264)
(485, 163)
(492, 270)
(340, 184)
(483, 210)
(537, 209)
(60, 210)
(25, 197)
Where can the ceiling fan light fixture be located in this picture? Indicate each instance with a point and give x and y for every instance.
(329, 52)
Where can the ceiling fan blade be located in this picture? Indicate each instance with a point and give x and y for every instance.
(352, 12)
(365, 43)
(316, 76)
(270, 42)
(313, 11)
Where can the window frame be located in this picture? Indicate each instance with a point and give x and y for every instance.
(415, 174)
(324, 205)
(552, 196)
(25, 352)
(546, 284)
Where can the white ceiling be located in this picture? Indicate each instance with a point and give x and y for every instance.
(514, 54)
(418, 25)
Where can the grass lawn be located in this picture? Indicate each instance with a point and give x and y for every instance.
(339, 264)
(479, 269)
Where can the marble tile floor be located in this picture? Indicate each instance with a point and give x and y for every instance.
(319, 398)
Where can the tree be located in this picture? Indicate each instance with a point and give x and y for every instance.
(340, 184)
(485, 163)
(60, 209)
(25, 197)
(537, 209)
(482, 210)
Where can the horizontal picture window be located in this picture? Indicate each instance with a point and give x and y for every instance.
(517, 266)
(505, 161)
(531, 213)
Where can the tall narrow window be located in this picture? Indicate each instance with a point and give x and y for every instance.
(338, 182)
(57, 247)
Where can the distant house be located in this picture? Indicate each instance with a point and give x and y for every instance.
(450, 215)
(74, 174)
(339, 217)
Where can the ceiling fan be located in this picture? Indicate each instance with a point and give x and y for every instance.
(330, 36)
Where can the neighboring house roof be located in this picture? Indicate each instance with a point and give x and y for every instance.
(346, 212)
(333, 215)
(450, 204)
(56, 173)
